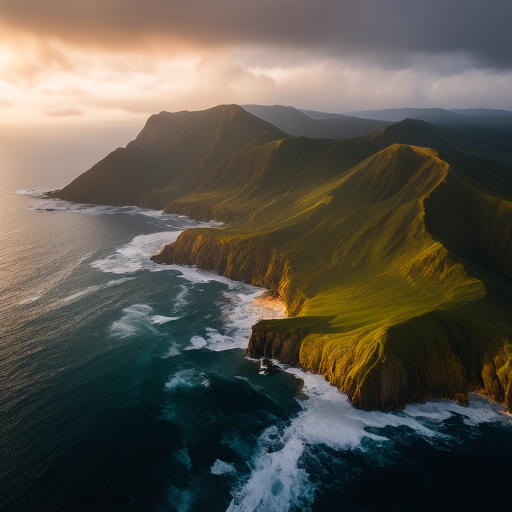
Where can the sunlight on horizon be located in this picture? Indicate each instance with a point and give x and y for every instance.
(109, 70)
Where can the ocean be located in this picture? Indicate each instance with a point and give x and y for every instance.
(125, 384)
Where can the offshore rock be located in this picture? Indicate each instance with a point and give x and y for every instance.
(284, 346)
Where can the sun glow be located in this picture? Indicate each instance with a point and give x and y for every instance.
(48, 76)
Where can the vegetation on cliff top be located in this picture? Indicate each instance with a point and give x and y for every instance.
(391, 251)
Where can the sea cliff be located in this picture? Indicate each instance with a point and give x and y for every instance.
(252, 259)
(390, 316)
(442, 354)
(391, 251)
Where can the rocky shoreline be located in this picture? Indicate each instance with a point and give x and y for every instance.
(388, 379)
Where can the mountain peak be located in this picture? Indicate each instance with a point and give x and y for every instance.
(414, 132)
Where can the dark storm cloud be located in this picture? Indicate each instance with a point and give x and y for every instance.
(385, 31)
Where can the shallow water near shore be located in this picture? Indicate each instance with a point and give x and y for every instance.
(125, 386)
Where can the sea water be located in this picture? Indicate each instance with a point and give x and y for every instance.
(125, 385)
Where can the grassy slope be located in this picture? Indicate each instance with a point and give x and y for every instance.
(393, 260)
(249, 180)
(170, 153)
(380, 307)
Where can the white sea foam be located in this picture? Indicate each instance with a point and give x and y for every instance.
(159, 319)
(222, 468)
(181, 299)
(43, 203)
(172, 351)
(59, 206)
(480, 410)
(195, 275)
(182, 379)
(134, 319)
(277, 481)
(196, 342)
(139, 318)
(135, 255)
(186, 379)
(35, 192)
(240, 311)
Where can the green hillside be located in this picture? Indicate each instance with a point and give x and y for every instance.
(392, 251)
(381, 308)
(248, 180)
(171, 148)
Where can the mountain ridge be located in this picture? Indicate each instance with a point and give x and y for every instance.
(391, 251)
(328, 126)
(300, 339)
(179, 143)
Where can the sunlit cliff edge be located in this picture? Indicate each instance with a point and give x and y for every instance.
(391, 251)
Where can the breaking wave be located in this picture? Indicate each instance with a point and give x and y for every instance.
(278, 482)
(136, 319)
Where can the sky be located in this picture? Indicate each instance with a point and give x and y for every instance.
(75, 62)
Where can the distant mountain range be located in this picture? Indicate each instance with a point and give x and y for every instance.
(480, 132)
(319, 125)
(439, 115)
(392, 249)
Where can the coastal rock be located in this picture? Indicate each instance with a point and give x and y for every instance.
(252, 260)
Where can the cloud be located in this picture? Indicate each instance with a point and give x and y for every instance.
(142, 86)
(393, 33)
(64, 112)
(126, 59)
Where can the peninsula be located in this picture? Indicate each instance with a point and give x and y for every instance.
(391, 250)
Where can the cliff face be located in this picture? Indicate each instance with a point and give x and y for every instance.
(253, 260)
(283, 345)
(392, 259)
(377, 305)
(441, 354)
(445, 353)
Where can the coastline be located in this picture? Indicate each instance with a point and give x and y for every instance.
(290, 344)
(156, 416)
(373, 379)
(271, 301)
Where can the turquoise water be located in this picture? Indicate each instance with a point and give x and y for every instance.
(125, 386)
